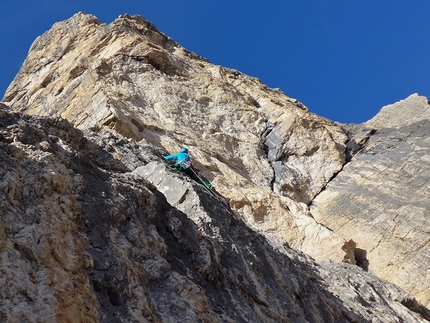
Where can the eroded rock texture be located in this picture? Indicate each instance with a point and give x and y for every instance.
(381, 198)
(262, 150)
(86, 237)
(96, 228)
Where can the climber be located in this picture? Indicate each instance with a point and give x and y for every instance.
(184, 164)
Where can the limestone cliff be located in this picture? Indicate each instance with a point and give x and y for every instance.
(86, 239)
(261, 149)
(95, 228)
(381, 198)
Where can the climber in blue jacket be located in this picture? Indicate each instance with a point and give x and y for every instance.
(182, 159)
(184, 164)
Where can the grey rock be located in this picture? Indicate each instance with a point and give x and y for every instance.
(263, 151)
(95, 241)
(380, 199)
(95, 227)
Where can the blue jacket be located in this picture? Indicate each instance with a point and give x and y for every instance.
(181, 158)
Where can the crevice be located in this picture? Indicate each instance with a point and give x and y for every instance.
(137, 124)
(327, 183)
(360, 256)
(263, 138)
(183, 197)
(358, 136)
(251, 101)
(159, 60)
(77, 71)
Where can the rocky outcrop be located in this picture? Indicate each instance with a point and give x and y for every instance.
(96, 228)
(380, 199)
(413, 109)
(261, 149)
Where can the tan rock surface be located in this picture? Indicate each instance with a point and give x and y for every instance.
(84, 239)
(265, 152)
(261, 149)
(380, 200)
(412, 109)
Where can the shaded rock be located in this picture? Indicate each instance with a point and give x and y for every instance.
(263, 151)
(96, 228)
(108, 245)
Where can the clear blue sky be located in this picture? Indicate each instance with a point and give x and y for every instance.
(343, 59)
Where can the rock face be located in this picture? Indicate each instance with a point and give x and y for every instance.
(380, 199)
(86, 239)
(413, 109)
(96, 228)
(262, 150)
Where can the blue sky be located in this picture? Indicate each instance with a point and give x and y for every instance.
(343, 59)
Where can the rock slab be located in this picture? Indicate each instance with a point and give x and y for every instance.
(380, 199)
(86, 238)
(261, 149)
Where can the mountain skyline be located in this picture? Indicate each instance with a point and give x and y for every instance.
(310, 220)
(344, 61)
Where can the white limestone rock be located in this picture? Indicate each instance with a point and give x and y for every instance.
(263, 151)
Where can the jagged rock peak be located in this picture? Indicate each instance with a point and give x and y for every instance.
(83, 32)
(263, 150)
(139, 95)
(402, 113)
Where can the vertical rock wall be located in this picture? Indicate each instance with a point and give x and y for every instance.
(265, 152)
(380, 199)
(261, 149)
(85, 239)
